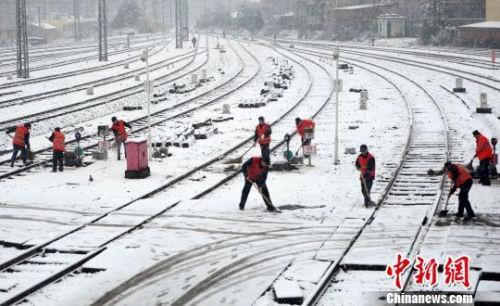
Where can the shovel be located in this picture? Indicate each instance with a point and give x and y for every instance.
(444, 212)
(239, 159)
(266, 199)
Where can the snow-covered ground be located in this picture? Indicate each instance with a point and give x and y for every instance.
(203, 250)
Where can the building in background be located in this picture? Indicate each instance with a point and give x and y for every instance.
(486, 34)
(391, 25)
(492, 10)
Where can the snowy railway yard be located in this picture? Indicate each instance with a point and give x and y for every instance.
(89, 236)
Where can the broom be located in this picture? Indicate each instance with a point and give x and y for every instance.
(444, 212)
(239, 159)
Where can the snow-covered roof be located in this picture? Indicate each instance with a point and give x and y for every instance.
(391, 16)
(361, 6)
(487, 24)
(45, 26)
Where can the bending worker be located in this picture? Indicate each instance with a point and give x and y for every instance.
(255, 172)
(461, 179)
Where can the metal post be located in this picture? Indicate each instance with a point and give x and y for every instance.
(178, 24)
(76, 16)
(103, 32)
(162, 9)
(336, 57)
(185, 13)
(22, 40)
(148, 87)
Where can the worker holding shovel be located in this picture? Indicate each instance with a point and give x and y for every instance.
(365, 163)
(263, 137)
(461, 179)
(255, 172)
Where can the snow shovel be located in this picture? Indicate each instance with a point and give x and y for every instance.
(444, 212)
(239, 159)
(268, 201)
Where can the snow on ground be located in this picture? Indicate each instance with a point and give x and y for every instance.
(206, 251)
(215, 219)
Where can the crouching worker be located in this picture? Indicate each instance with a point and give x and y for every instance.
(461, 179)
(57, 139)
(255, 172)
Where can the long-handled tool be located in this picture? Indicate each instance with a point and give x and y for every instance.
(366, 189)
(297, 152)
(266, 199)
(444, 212)
(239, 159)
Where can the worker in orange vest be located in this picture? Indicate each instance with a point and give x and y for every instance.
(484, 153)
(365, 163)
(461, 179)
(302, 125)
(255, 172)
(263, 137)
(20, 142)
(57, 139)
(120, 133)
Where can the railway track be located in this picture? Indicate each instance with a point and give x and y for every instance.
(455, 59)
(70, 260)
(487, 81)
(62, 63)
(90, 141)
(78, 72)
(428, 147)
(94, 83)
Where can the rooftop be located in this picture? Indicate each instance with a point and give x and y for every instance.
(487, 24)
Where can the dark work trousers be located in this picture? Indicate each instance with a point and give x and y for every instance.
(463, 199)
(305, 142)
(366, 191)
(246, 191)
(484, 171)
(119, 144)
(16, 150)
(265, 151)
(57, 159)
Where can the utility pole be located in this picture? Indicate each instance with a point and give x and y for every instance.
(336, 57)
(103, 32)
(76, 16)
(185, 14)
(162, 9)
(178, 24)
(145, 25)
(22, 40)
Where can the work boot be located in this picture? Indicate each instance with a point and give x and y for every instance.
(469, 217)
(271, 208)
(458, 216)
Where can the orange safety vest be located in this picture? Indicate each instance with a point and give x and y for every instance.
(363, 164)
(119, 127)
(483, 148)
(463, 175)
(255, 170)
(262, 129)
(20, 135)
(305, 124)
(58, 142)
